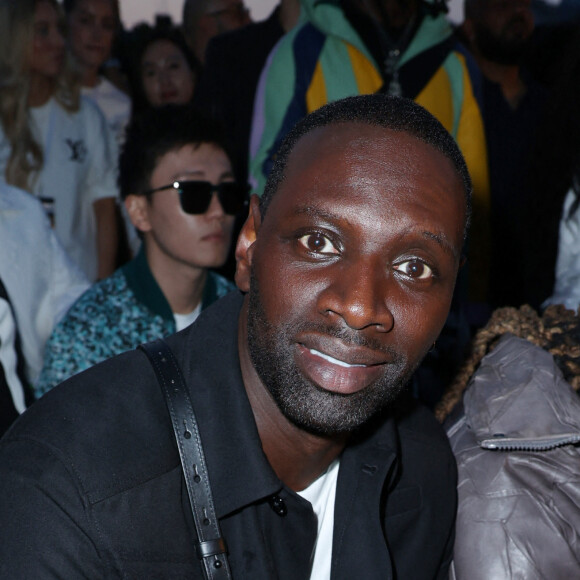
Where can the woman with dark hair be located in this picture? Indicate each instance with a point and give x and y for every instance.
(164, 70)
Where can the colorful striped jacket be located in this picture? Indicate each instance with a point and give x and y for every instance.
(324, 59)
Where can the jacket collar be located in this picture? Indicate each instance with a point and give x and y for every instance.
(367, 463)
(143, 284)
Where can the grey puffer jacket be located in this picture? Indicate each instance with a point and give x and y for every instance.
(519, 469)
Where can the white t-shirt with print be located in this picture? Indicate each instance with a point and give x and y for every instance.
(79, 168)
(113, 103)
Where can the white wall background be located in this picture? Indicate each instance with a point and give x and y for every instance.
(133, 11)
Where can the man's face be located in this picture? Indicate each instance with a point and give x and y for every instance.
(352, 271)
(503, 29)
(173, 238)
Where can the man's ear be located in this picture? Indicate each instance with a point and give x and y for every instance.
(137, 208)
(245, 245)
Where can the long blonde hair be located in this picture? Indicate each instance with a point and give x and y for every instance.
(16, 38)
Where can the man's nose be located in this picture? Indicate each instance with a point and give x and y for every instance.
(358, 294)
(215, 209)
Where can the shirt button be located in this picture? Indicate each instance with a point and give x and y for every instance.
(369, 469)
(278, 505)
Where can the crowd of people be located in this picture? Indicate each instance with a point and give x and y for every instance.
(148, 174)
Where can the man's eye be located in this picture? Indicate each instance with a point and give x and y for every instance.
(415, 269)
(318, 244)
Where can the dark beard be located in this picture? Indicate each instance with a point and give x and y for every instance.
(308, 406)
(506, 51)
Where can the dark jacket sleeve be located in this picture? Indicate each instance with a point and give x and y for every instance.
(45, 529)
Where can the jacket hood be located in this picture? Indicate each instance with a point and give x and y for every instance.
(518, 399)
(327, 16)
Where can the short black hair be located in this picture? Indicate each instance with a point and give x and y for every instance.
(380, 110)
(157, 131)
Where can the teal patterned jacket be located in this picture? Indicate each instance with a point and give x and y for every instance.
(114, 315)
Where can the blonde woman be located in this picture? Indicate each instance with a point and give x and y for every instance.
(53, 143)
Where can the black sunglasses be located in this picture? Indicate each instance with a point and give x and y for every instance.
(195, 196)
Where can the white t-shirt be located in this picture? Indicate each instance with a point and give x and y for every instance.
(321, 493)
(79, 169)
(184, 320)
(116, 107)
(114, 104)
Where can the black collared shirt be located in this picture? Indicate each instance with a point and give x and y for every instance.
(91, 486)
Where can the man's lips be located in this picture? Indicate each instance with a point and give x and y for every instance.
(347, 350)
(346, 371)
(333, 360)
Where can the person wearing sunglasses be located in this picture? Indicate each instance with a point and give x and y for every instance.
(178, 187)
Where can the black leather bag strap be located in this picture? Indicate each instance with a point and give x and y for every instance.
(211, 548)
